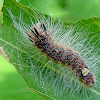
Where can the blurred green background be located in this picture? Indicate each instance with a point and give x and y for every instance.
(12, 85)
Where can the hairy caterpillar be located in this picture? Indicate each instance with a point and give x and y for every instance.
(58, 77)
(41, 36)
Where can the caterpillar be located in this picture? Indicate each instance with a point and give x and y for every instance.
(61, 54)
(62, 74)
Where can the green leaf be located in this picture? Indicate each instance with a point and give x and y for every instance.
(68, 10)
(1, 15)
(50, 79)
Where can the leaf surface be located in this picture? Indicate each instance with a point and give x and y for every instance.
(53, 80)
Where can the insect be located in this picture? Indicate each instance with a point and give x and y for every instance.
(42, 39)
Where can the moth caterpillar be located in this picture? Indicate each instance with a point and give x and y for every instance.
(42, 39)
(51, 78)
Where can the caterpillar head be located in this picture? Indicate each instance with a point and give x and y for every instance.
(40, 27)
(36, 31)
